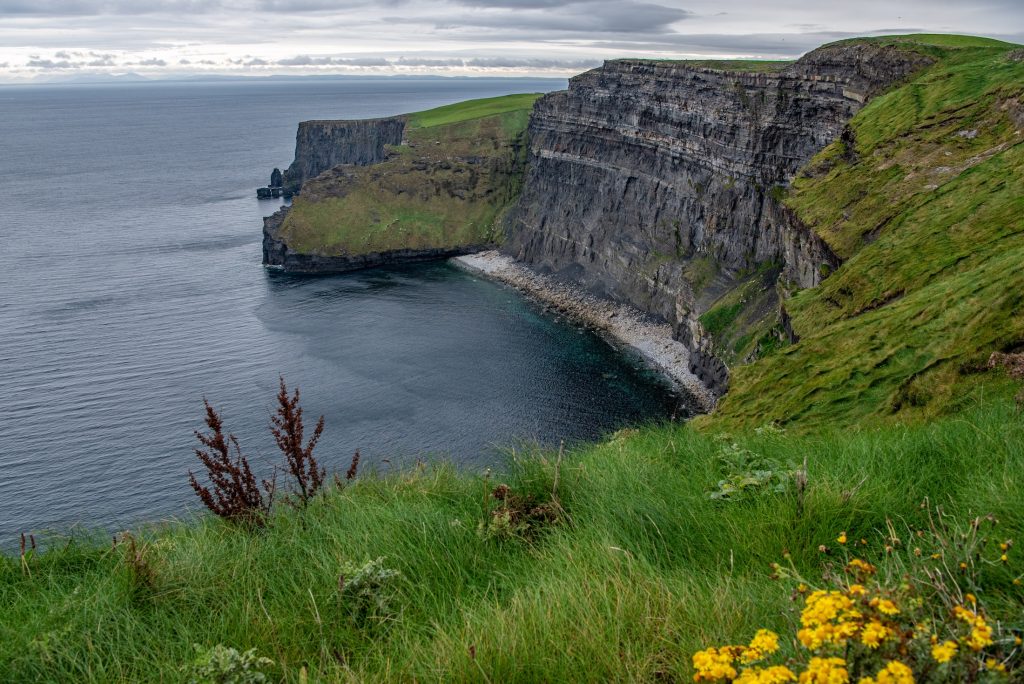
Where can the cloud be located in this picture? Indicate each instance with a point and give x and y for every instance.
(588, 18)
(307, 60)
(427, 62)
(512, 63)
(50, 64)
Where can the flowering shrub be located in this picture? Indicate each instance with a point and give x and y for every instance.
(917, 618)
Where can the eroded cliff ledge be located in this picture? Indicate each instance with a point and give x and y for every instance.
(658, 184)
(321, 145)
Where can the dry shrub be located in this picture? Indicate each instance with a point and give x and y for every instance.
(233, 493)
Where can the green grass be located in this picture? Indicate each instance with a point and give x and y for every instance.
(472, 109)
(943, 40)
(446, 188)
(647, 571)
(926, 211)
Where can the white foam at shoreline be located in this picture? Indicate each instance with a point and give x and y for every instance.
(651, 340)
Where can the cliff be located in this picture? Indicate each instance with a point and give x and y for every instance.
(321, 145)
(422, 186)
(658, 184)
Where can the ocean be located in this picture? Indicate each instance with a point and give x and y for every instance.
(132, 288)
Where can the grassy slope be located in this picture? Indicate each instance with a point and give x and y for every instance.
(648, 570)
(445, 188)
(928, 212)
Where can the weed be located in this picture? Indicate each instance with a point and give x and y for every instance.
(233, 493)
(225, 665)
(287, 428)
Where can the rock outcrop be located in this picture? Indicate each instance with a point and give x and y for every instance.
(321, 145)
(276, 253)
(658, 183)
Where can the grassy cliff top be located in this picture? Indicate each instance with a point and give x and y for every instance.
(472, 109)
(923, 199)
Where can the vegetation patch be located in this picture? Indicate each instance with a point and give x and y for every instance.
(447, 187)
(622, 588)
(927, 215)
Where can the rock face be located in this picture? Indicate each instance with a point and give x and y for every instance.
(321, 145)
(276, 178)
(658, 183)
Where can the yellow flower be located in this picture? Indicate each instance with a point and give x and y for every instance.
(841, 538)
(971, 597)
(713, 664)
(825, 671)
(1004, 546)
(874, 634)
(944, 652)
(981, 636)
(857, 590)
(884, 606)
(995, 665)
(1004, 558)
(765, 641)
(1017, 641)
(861, 566)
(936, 556)
(777, 674)
(895, 672)
(802, 588)
(963, 566)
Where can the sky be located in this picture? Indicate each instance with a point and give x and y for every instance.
(81, 39)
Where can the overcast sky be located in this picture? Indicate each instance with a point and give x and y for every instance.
(167, 38)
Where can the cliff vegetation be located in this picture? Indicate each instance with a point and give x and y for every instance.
(444, 187)
(922, 198)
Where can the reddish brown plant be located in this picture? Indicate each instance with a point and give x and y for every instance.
(232, 493)
(353, 467)
(287, 428)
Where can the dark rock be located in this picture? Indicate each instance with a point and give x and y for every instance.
(263, 193)
(276, 178)
(321, 145)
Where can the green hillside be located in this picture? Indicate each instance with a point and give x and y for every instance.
(446, 187)
(927, 210)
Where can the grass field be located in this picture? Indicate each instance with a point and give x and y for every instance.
(472, 109)
(642, 570)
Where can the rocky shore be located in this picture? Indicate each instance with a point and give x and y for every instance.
(625, 324)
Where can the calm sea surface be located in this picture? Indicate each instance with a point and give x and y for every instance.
(132, 287)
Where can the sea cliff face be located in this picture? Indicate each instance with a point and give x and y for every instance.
(321, 145)
(658, 184)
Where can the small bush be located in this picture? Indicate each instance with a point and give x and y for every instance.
(233, 493)
(366, 591)
(287, 427)
(225, 665)
(748, 474)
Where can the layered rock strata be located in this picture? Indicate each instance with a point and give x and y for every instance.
(658, 183)
(321, 145)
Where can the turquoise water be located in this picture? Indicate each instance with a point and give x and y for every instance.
(132, 288)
